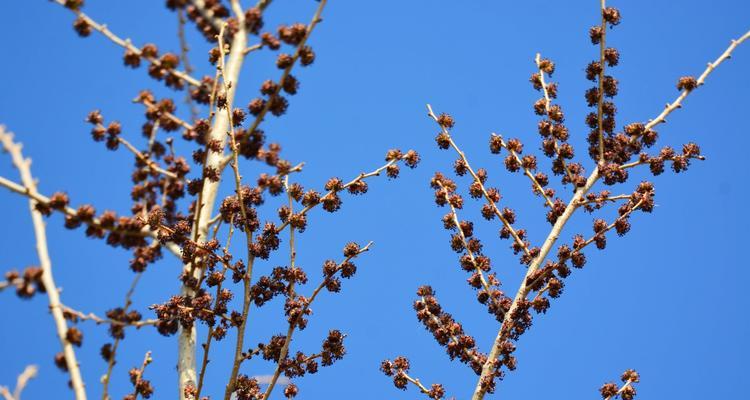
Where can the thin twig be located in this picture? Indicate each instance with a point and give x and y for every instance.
(129, 46)
(209, 335)
(416, 383)
(6, 284)
(362, 176)
(464, 241)
(639, 162)
(622, 389)
(99, 320)
(453, 337)
(111, 362)
(605, 199)
(252, 48)
(677, 103)
(184, 50)
(170, 116)
(139, 376)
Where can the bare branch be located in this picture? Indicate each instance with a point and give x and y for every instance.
(24, 168)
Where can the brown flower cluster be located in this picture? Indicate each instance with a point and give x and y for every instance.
(446, 331)
(626, 391)
(554, 133)
(399, 368)
(27, 283)
(141, 387)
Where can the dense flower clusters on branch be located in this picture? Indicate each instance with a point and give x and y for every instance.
(614, 153)
(175, 208)
(175, 204)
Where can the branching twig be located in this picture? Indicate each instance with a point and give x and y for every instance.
(28, 373)
(362, 176)
(523, 289)
(139, 375)
(246, 277)
(293, 323)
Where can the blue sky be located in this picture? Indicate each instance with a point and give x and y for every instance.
(668, 299)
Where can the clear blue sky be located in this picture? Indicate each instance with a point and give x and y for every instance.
(669, 299)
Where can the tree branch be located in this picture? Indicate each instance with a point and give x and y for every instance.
(32, 194)
(24, 168)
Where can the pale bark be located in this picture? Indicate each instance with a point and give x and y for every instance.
(186, 364)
